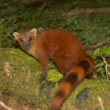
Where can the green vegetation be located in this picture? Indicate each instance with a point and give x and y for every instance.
(91, 29)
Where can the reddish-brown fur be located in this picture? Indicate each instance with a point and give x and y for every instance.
(69, 55)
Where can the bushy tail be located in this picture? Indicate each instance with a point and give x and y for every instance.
(73, 78)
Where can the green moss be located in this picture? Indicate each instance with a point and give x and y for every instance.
(54, 76)
(98, 88)
(20, 73)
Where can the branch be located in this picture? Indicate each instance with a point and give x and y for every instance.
(5, 106)
(106, 66)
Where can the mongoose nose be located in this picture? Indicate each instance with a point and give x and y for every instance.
(26, 46)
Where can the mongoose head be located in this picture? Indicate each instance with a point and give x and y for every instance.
(26, 38)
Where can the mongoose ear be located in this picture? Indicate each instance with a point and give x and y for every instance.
(34, 31)
(16, 35)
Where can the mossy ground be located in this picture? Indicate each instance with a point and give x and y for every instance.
(17, 74)
(19, 78)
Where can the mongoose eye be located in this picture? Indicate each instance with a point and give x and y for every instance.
(30, 39)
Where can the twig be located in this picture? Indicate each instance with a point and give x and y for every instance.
(5, 106)
(100, 102)
(106, 65)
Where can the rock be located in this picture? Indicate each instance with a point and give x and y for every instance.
(82, 96)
